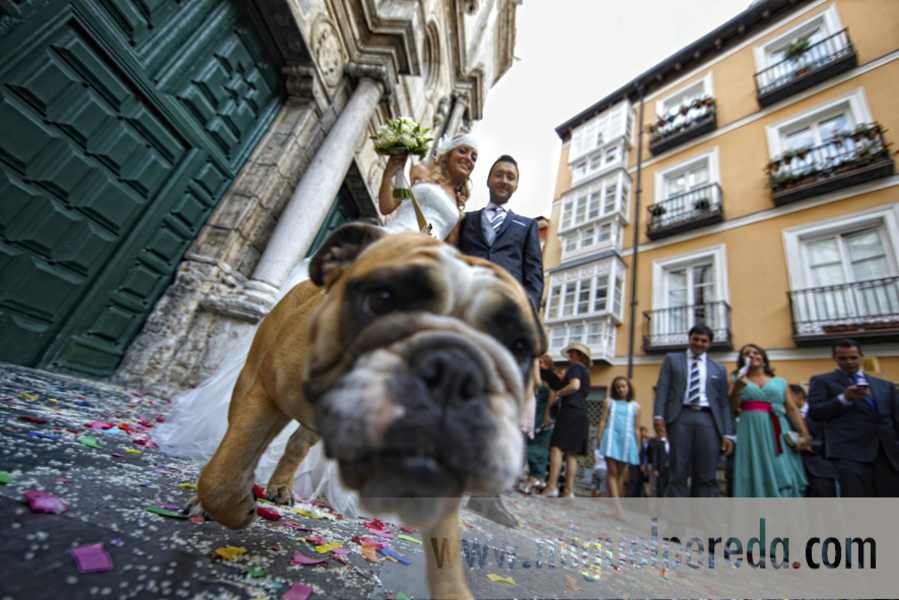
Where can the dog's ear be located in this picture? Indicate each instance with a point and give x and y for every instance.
(340, 250)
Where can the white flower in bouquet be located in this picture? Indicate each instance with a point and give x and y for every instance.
(401, 136)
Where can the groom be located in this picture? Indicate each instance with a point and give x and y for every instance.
(511, 241)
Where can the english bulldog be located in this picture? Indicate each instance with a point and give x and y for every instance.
(410, 361)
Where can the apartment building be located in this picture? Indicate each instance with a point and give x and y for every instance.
(747, 183)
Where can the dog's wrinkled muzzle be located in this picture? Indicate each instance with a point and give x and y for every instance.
(422, 417)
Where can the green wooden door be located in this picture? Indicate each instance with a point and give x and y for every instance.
(122, 123)
(343, 210)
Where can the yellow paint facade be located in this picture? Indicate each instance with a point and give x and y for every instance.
(759, 251)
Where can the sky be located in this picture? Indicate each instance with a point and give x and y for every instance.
(571, 54)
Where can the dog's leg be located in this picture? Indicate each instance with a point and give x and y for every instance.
(444, 567)
(225, 488)
(280, 486)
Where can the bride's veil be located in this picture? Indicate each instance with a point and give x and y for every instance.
(198, 421)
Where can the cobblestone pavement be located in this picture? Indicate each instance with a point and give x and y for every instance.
(90, 445)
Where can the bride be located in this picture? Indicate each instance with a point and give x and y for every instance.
(198, 419)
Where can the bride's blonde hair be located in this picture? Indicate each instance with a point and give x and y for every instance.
(438, 175)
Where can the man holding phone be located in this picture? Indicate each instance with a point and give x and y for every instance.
(860, 416)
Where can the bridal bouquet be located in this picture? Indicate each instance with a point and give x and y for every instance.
(401, 136)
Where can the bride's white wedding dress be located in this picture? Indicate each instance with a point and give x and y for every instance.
(198, 419)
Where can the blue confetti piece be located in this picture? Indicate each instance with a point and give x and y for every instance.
(84, 403)
(388, 551)
(35, 434)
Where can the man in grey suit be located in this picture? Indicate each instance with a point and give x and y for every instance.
(512, 242)
(692, 409)
(497, 234)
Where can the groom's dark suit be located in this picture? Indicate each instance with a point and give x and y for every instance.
(516, 248)
(694, 435)
(862, 441)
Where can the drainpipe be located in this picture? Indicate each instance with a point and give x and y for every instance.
(630, 350)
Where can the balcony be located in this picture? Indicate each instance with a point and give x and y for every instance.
(805, 68)
(689, 122)
(864, 310)
(845, 160)
(684, 212)
(666, 330)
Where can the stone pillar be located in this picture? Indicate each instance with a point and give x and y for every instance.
(310, 202)
(455, 120)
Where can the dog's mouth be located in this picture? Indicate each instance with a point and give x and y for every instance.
(401, 475)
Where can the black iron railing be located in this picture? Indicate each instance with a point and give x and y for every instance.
(667, 327)
(686, 206)
(814, 57)
(688, 116)
(864, 306)
(845, 152)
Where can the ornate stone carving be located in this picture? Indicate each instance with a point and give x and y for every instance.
(329, 54)
(374, 71)
(299, 81)
(441, 113)
(471, 7)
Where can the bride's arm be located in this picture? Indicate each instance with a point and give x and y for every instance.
(386, 202)
(420, 174)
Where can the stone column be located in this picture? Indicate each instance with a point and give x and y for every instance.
(455, 120)
(310, 202)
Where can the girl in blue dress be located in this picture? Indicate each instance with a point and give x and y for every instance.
(619, 436)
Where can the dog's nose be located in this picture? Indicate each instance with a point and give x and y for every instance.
(450, 375)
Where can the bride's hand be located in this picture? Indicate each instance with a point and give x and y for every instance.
(394, 164)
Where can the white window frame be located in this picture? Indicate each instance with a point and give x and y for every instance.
(828, 20)
(718, 256)
(708, 90)
(710, 157)
(795, 239)
(854, 102)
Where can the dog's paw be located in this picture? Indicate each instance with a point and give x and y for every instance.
(194, 508)
(280, 493)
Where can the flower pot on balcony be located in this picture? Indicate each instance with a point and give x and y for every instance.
(802, 153)
(684, 110)
(657, 211)
(702, 205)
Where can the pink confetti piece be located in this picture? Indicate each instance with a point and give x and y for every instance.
(341, 551)
(267, 513)
(169, 506)
(92, 558)
(196, 520)
(295, 525)
(99, 425)
(380, 533)
(44, 502)
(297, 591)
(299, 559)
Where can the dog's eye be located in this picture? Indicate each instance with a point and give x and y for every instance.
(521, 348)
(379, 302)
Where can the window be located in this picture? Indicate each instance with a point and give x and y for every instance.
(619, 292)
(571, 243)
(775, 69)
(690, 289)
(844, 269)
(557, 338)
(595, 162)
(687, 189)
(553, 304)
(680, 183)
(568, 300)
(575, 332)
(583, 299)
(605, 232)
(580, 170)
(611, 155)
(594, 205)
(602, 293)
(672, 105)
(580, 211)
(594, 333)
(586, 237)
(609, 204)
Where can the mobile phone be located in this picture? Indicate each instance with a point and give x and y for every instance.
(863, 386)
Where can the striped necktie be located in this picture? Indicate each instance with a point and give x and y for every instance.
(497, 219)
(693, 396)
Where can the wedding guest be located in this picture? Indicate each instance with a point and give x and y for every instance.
(767, 464)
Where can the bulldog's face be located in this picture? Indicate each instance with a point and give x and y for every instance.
(417, 364)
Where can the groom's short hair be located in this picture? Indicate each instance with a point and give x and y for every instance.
(505, 158)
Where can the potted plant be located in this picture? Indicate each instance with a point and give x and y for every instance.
(701, 204)
(797, 48)
(657, 210)
(802, 153)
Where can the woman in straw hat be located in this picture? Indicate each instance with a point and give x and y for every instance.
(572, 425)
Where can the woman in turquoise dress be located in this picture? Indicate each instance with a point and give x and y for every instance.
(619, 438)
(766, 465)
